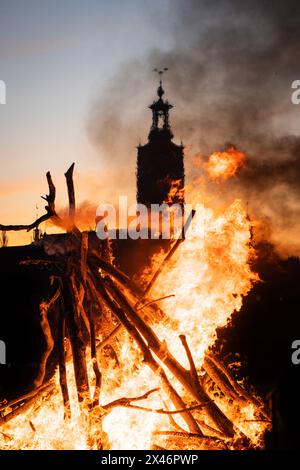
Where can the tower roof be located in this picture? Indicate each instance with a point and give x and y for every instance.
(160, 113)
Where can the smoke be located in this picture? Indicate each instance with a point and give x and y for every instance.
(231, 68)
(85, 215)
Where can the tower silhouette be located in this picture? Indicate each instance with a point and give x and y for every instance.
(160, 165)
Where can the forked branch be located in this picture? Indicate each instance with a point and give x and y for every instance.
(50, 211)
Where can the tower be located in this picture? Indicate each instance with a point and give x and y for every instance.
(160, 166)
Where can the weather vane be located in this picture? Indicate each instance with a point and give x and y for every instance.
(160, 72)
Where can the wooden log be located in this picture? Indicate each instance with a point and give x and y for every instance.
(213, 441)
(161, 350)
(110, 337)
(71, 192)
(95, 296)
(193, 370)
(77, 341)
(155, 301)
(244, 395)
(127, 401)
(45, 306)
(151, 362)
(25, 402)
(170, 253)
(96, 368)
(70, 223)
(126, 283)
(62, 362)
(95, 262)
(220, 380)
(83, 255)
(79, 296)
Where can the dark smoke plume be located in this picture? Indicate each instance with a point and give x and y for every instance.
(231, 68)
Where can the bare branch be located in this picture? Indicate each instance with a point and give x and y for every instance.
(161, 350)
(44, 308)
(50, 211)
(154, 301)
(149, 359)
(193, 369)
(127, 401)
(188, 435)
(110, 337)
(160, 410)
(71, 193)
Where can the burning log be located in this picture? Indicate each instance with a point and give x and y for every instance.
(124, 281)
(127, 402)
(44, 309)
(150, 361)
(160, 349)
(79, 296)
(62, 362)
(193, 370)
(76, 338)
(97, 372)
(21, 404)
(170, 253)
(83, 255)
(222, 378)
(155, 301)
(111, 335)
(32, 426)
(209, 442)
(221, 381)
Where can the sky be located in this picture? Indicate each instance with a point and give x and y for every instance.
(79, 78)
(55, 57)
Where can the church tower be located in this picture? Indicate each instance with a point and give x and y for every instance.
(160, 167)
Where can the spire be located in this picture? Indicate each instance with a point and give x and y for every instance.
(160, 112)
(160, 90)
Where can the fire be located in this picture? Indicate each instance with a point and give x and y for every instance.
(208, 276)
(223, 165)
(176, 191)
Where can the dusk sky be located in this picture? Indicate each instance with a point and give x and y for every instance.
(55, 58)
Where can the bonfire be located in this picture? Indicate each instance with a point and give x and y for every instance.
(137, 368)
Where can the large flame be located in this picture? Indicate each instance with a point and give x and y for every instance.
(208, 275)
(223, 165)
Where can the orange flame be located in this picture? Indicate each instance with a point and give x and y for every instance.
(223, 165)
(209, 275)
